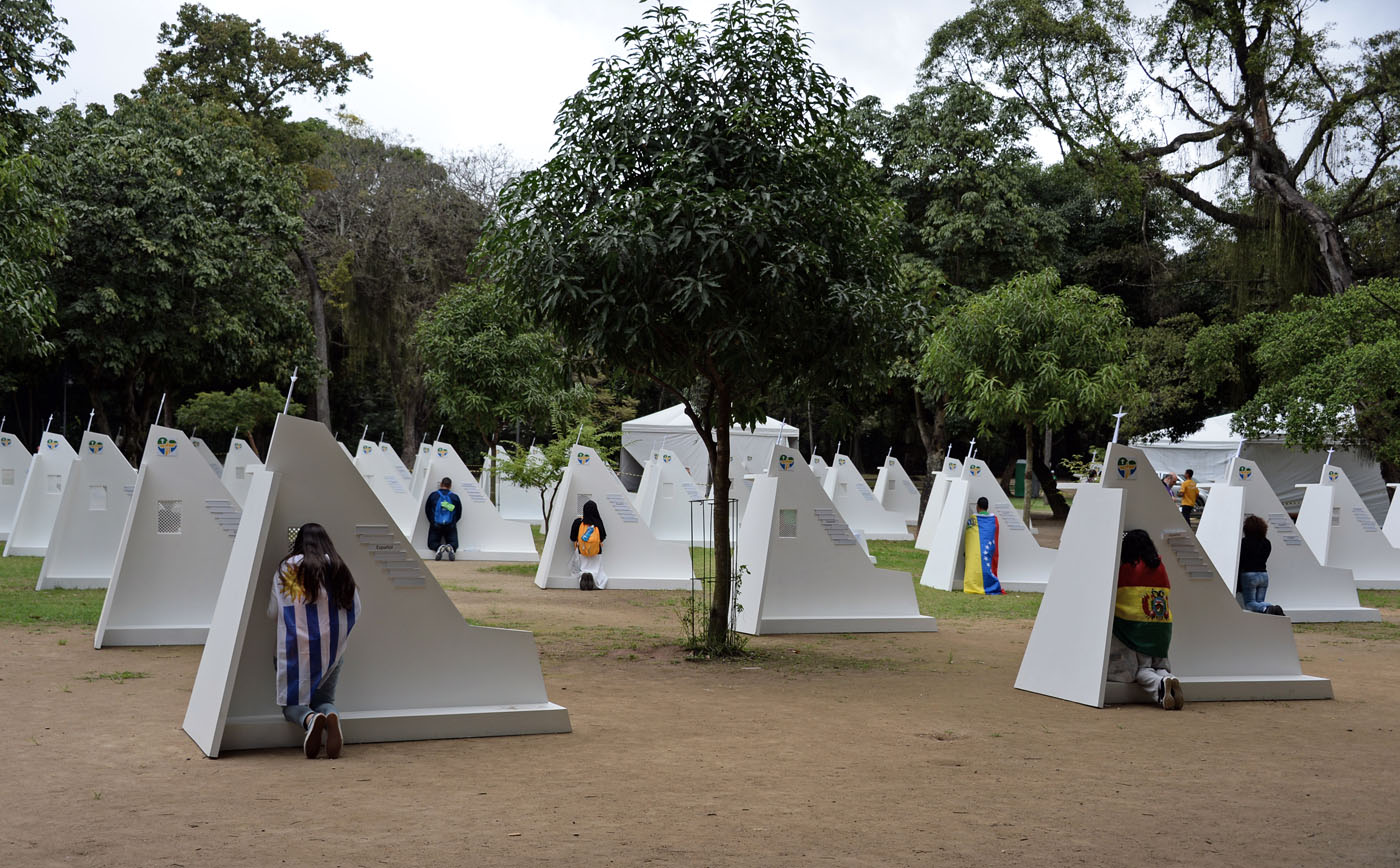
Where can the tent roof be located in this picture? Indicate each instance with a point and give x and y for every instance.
(1215, 433)
(674, 418)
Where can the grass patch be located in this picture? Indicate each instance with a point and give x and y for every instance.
(513, 569)
(900, 555)
(118, 677)
(21, 604)
(957, 606)
(472, 589)
(1379, 599)
(505, 625)
(1353, 629)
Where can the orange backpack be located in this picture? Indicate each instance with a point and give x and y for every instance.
(590, 541)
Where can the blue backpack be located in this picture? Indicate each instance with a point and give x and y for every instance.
(445, 509)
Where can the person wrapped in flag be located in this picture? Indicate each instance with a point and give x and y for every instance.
(980, 552)
(315, 604)
(1142, 623)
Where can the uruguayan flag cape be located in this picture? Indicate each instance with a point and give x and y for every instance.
(310, 636)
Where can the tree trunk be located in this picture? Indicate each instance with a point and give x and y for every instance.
(933, 435)
(1026, 481)
(1058, 506)
(717, 634)
(318, 325)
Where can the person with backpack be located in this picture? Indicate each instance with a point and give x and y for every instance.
(587, 534)
(315, 604)
(444, 510)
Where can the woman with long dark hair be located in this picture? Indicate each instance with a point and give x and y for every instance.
(587, 534)
(316, 604)
(1253, 579)
(1142, 623)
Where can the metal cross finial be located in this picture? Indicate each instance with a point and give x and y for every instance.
(48, 423)
(288, 403)
(971, 447)
(1117, 421)
(91, 413)
(1330, 450)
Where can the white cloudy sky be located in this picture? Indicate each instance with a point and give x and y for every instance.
(457, 75)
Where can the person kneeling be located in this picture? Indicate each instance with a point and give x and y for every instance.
(1142, 623)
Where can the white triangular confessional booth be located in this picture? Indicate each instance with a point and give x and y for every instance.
(1305, 589)
(392, 456)
(14, 469)
(663, 500)
(40, 497)
(421, 463)
(208, 455)
(376, 464)
(740, 486)
(412, 668)
(1391, 529)
(239, 463)
(83, 550)
(1218, 650)
(482, 534)
(1022, 565)
(937, 495)
(858, 507)
(819, 467)
(632, 557)
(1342, 533)
(174, 548)
(896, 492)
(512, 501)
(805, 571)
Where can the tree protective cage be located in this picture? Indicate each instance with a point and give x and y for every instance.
(702, 590)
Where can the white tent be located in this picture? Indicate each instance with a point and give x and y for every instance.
(896, 492)
(174, 548)
(1022, 565)
(483, 533)
(937, 496)
(413, 669)
(208, 455)
(1218, 650)
(806, 572)
(1305, 589)
(239, 462)
(1343, 533)
(376, 463)
(83, 550)
(664, 499)
(14, 469)
(672, 429)
(40, 497)
(632, 557)
(846, 489)
(1208, 452)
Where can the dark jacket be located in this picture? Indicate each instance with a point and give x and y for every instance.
(431, 507)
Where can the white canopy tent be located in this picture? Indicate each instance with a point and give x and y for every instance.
(672, 429)
(1209, 451)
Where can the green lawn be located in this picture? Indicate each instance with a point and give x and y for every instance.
(21, 604)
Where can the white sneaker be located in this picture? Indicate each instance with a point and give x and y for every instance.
(438, 556)
(451, 553)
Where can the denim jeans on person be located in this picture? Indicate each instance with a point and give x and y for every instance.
(322, 700)
(1250, 591)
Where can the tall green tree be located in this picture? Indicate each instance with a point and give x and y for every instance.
(1032, 354)
(176, 276)
(31, 232)
(32, 47)
(1241, 79)
(708, 222)
(227, 60)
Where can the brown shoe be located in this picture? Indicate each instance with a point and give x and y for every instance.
(334, 740)
(311, 744)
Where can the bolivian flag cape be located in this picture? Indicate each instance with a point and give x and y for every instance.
(1142, 620)
(980, 555)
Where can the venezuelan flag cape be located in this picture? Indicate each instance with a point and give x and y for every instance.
(980, 555)
(1142, 620)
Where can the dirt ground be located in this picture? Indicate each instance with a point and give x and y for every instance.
(829, 750)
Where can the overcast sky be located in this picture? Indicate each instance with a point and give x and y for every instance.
(459, 75)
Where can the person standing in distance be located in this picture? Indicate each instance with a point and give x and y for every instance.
(1189, 492)
(444, 510)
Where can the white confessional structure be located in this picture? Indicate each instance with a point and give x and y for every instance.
(1391, 529)
(896, 492)
(174, 548)
(412, 667)
(819, 467)
(858, 507)
(14, 469)
(482, 534)
(1339, 528)
(1304, 588)
(663, 499)
(208, 455)
(937, 495)
(91, 515)
(239, 463)
(1218, 650)
(806, 571)
(514, 502)
(375, 461)
(392, 456)
(632, 556)
(1022, 565)
(672, 429)
(421, 463)
(40, 497)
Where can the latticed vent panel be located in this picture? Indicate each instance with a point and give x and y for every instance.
(582, 499)
(53, 483)
(7, 476)
(787, 523)
(97, 498)
(170, 517)
(292, 533)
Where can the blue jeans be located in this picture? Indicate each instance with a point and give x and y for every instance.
(322, 700)
(1250, 591)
